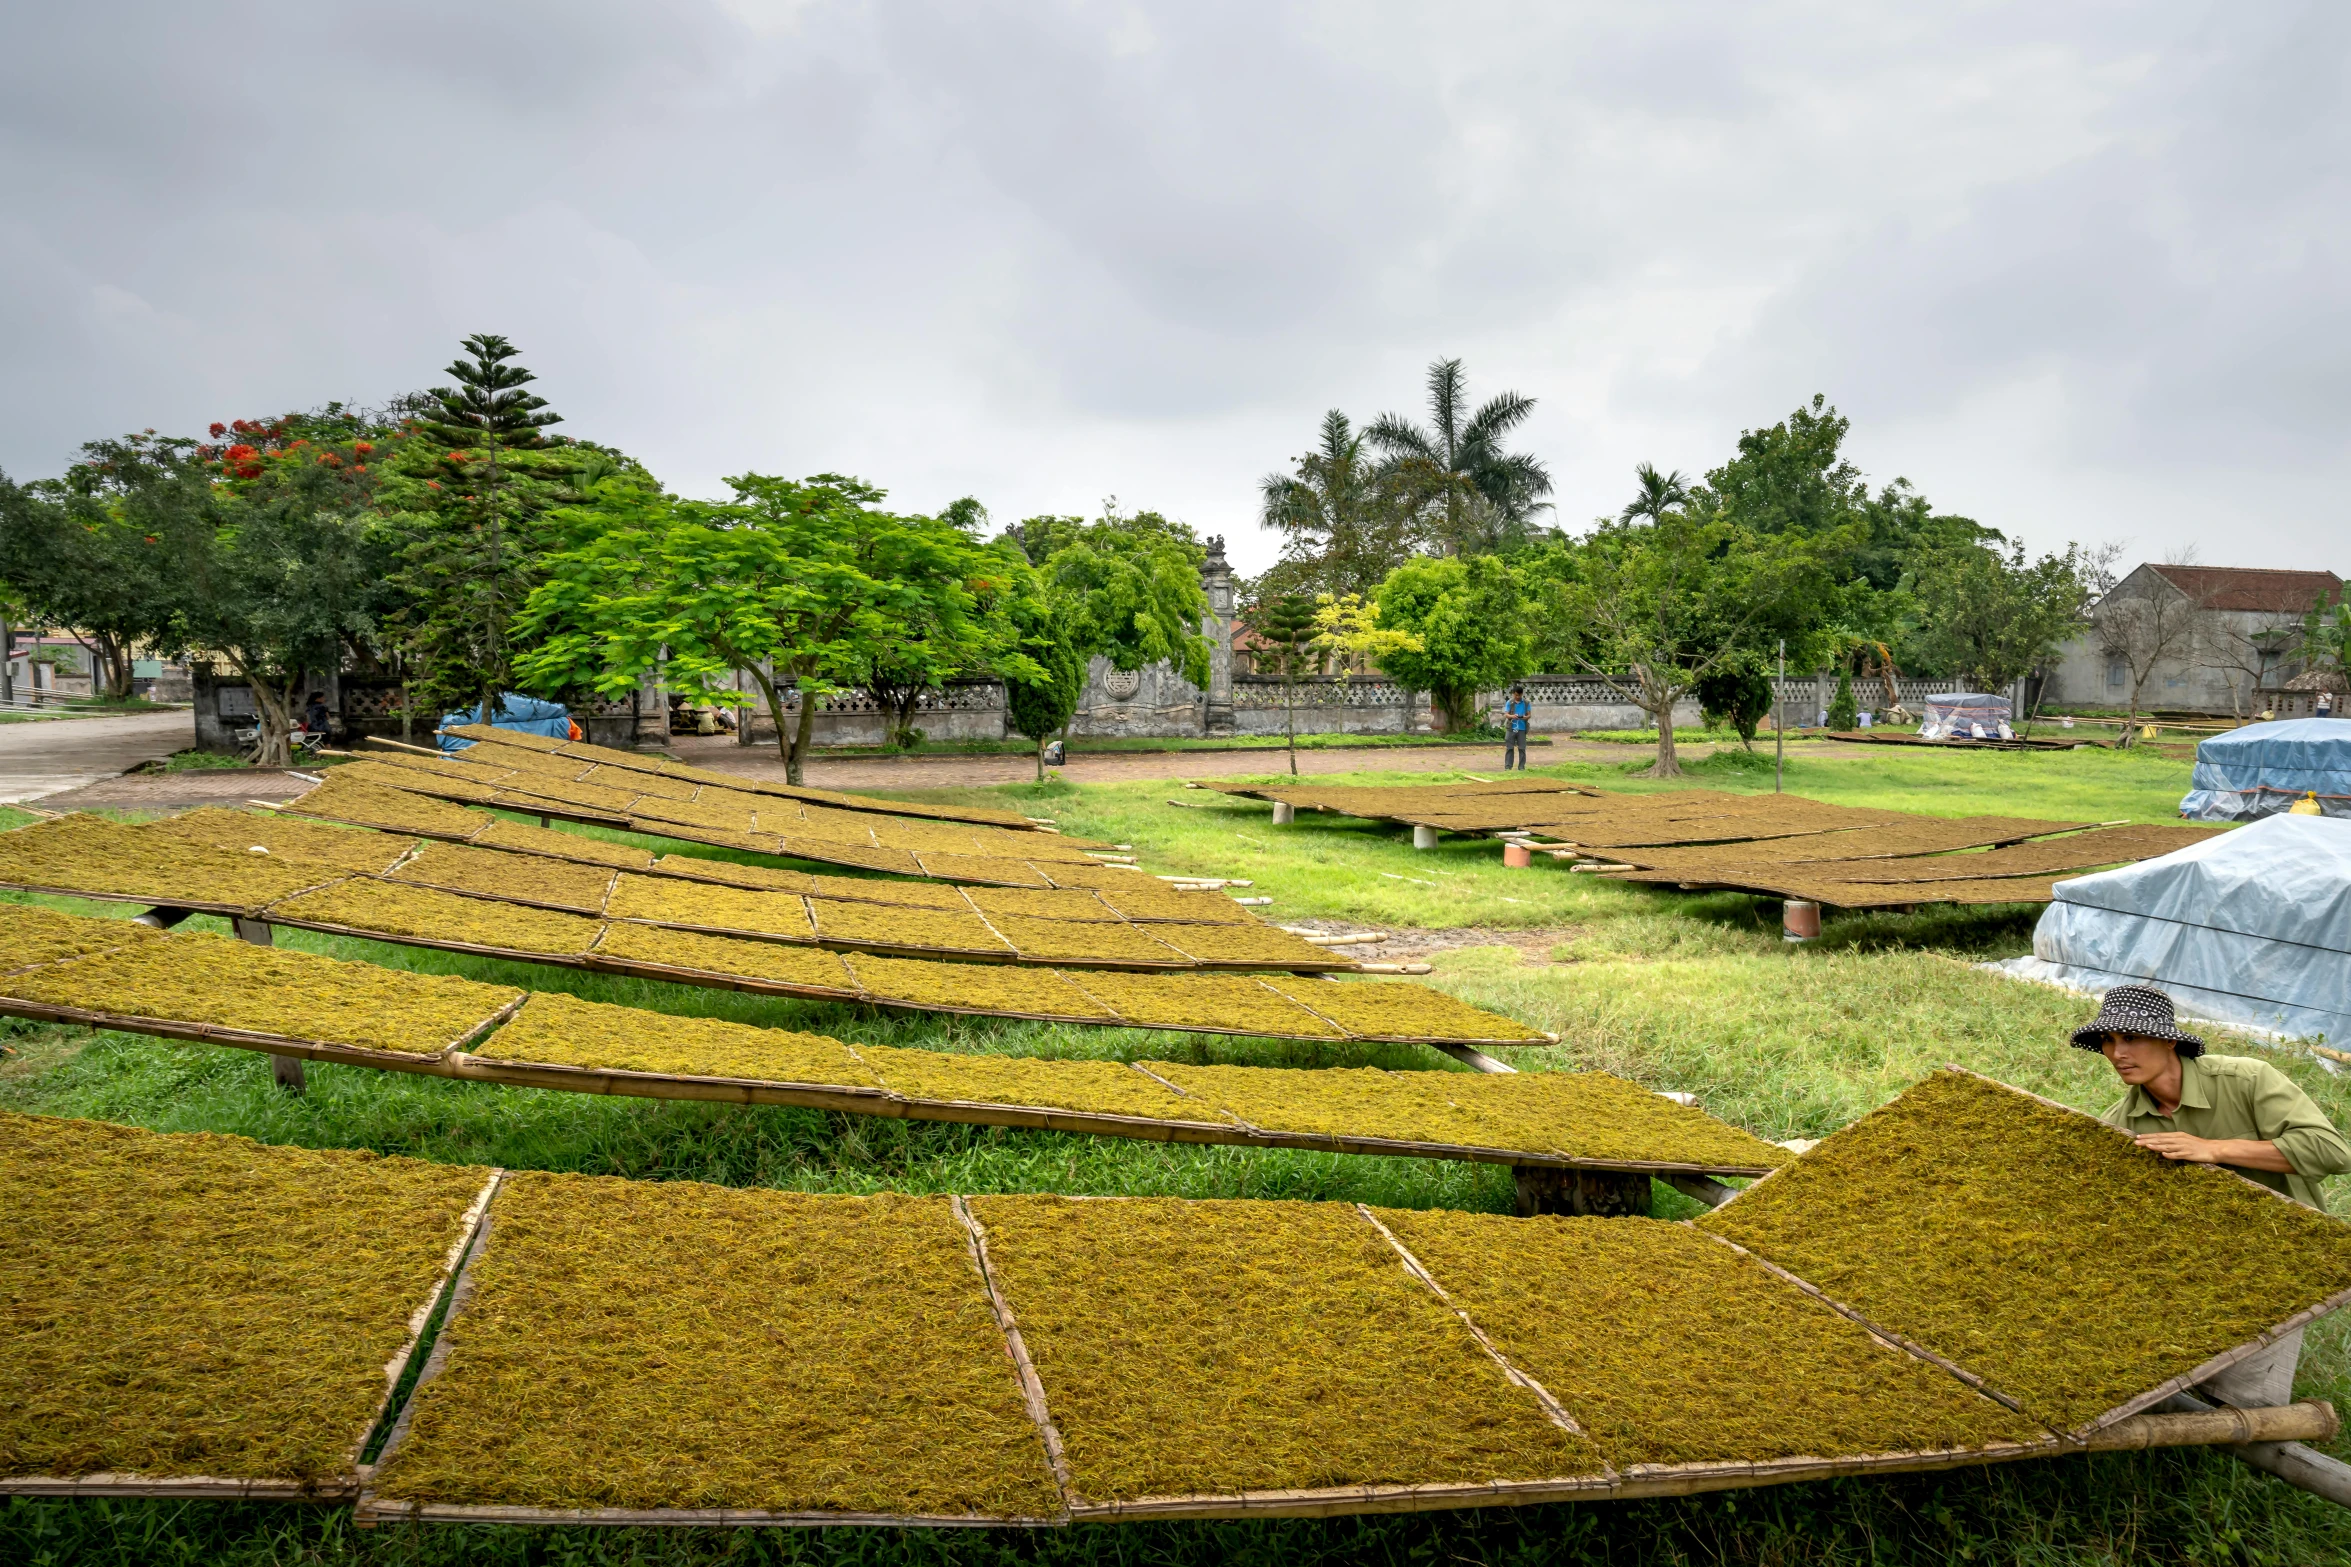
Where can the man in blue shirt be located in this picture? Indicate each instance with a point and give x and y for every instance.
(1515, 714)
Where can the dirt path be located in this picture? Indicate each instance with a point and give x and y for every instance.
(50, 757)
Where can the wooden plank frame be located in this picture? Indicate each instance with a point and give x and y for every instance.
(341, 1487)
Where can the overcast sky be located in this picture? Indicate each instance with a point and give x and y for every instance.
(2077, 271)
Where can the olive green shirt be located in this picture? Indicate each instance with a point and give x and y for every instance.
(2240, 1097)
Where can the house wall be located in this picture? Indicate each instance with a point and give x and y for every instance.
(2217, 669)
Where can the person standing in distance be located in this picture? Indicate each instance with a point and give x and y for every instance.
(1515, 714)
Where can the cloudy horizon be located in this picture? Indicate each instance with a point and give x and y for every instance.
(2075, 272)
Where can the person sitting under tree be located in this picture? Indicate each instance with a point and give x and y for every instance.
(1515, 714)
(314, 715)
(2233, 1111)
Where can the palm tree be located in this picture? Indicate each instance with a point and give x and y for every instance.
(1475, 495)
(1660, 494)
(1345, 528)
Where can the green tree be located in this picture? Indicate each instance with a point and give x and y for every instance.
(1285, 626)
(284, 580)
(1467, 615)
(1041, 705)
(1129, 586)
(1844, 709)
(1472, 496)
(1658, 494)
(1342, 520)
(467, 517)
(1656, 607)
(1992, 618)
(954, 624)
(1737, 692)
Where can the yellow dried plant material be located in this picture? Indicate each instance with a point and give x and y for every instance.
(1574, 1115)
(1217, 1003)
(554, 1029)
(104, 858)
(724, 816)
(1089, 1087)
(824, 851)
(1208, 1348)
(1250, 946)
(497, 736)
(641, 948)
(2049, 1254)
(547, 765)
(345, 799)
(875, 889)
(1089, 872)
(581, 797)
(645, 785)
(1086, 943)
(1149, 901)
(516, 878)
(989, 869)
(444, 766)
(285, 837)
(436, 782)
(267, 990)
(716, 837)
(667, 1344)
(974, 987)
(31, 936)
(1046, 903)
(666, 900)
(1042, 848)
(1399, 1009)
(874, 926)
(1758, 1370)
(191, 1304)
(425, 914)
(817, 821)
(523, 838)
(755, 878)
(922, 837)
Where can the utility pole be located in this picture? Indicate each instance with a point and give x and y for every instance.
(1779, 728)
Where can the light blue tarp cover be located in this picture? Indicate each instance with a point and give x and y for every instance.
(2262, 769)
(2251, 927)
(523, 714)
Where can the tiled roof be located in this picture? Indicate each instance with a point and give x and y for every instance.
(2236, 587)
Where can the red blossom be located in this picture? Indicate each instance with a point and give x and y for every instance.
(218, 429)
(249, 471)
(432, 484)
(240, 453)
(152, 539)
(359, 467)
(363, 447)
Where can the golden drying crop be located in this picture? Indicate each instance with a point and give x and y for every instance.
(345, 799)
(268, 990)
(416, 780)
(827, 851)
(1085, 942)
(757, 878)
(653, 785)
(497, 736)
(1757, 1369)
(202, 1305)
(526, 759)
(1146, 898)
(637, 947)
(519, 878)
(923, 837)
(872, 925)
(1094, 1087)
(666, 900)
(1249, 946)
(1041, 848)
(974, 987)
(1192, 1348)
(666, 1344)
(92, 854)
(718, 837)
(1219, 1003)
(990, 870)
(526, 839)
(554, 1029)
(2047, 1253)
(876, 889)
(1051, 903)
(586, 798)
(424, 914)
(285, 837)
(1577, 1115)
(725, 815)
(1398, 1009)
(817, 821)
(30, 936)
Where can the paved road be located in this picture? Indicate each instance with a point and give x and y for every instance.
(50, 757)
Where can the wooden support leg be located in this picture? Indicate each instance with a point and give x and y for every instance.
(285, 1071)
(1585, 1194)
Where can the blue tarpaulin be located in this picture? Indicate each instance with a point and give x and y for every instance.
(2251, 927)
(2262, 769)
(524, 714)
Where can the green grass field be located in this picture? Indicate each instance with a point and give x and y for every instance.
(1675, 990)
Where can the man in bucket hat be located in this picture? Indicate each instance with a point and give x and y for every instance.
(2233, 1111)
